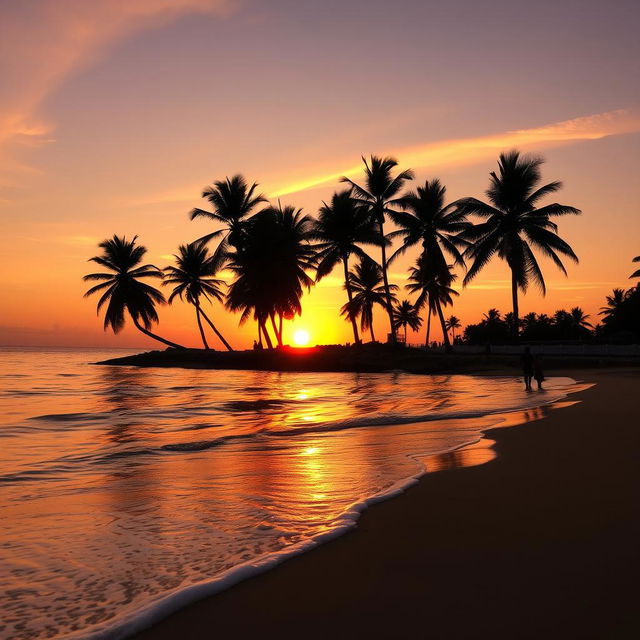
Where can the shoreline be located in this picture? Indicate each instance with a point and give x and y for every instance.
(476, 451)
(305, 577)
(370, 358)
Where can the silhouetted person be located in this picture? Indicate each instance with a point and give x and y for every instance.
(538, 373)
(527, 368)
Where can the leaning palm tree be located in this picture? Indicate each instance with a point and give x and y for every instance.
(426, 220)
(193, 279)
(453, 323)
(379, 194)
(366, 282)
(405, 314)
(123, 289)
(232, 200)
(434, 290)
(636, 273)
(340, 227)
(614, 301)
(513, 224)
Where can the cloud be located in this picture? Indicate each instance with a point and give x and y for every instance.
(556, 285)
(43, 42)
(461, 151)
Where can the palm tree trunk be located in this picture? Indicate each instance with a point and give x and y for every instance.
(280, 325)
(213, 326)
(429, 314)
(445, 335)
(204, 338)
(347, 284)
(373, 338)
(514, 297)
(275, 329)
(146, 332)
(266, 335)
(259, 335)
(387, 291)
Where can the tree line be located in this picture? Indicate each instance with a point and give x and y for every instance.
(275, 253)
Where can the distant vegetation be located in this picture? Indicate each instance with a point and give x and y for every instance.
(275, 253)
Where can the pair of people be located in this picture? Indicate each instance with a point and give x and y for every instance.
(532, 369)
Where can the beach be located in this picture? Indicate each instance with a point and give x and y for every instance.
(538, 542)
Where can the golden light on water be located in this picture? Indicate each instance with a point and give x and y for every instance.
(301, 337)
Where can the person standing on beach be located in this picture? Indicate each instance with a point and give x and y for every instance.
(538, 373)
(527, 368)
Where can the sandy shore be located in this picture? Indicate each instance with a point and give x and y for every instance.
(540, 542)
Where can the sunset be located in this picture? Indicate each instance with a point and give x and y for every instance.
(269, 264)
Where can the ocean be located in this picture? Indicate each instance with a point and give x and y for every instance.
(126, 493)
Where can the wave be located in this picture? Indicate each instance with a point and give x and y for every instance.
(52, 467)
(256, 405)
(156, 610)
(65, 417)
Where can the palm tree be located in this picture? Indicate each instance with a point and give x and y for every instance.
(122, 288)
(270, 268)
(340, 227)
(405, 314)
(614, 301)
(636, 274)
(434, 289)
(529, 321)
(452, 324)
(427, 220)
(232, 200)
(513, 224)
(492, 316)
(366, 282)
(378, 195)
(193, 279)
(580, 319)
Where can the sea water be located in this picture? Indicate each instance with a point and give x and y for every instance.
(126, 493)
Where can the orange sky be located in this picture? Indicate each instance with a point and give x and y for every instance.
(122, 112)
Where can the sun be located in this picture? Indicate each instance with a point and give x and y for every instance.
(301, 337)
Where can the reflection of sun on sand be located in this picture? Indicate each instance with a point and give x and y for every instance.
(301, 337)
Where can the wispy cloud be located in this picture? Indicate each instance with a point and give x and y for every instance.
(43, 42)
(462, 151)
(556, 285)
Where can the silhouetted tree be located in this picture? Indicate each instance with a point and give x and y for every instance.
(341, 226)
(378, 195)
(453, 323)
(636, 273)
(434, 289)
(580, 319)
(621, 316)
(614, 301)
(405, 314)
(368, 289)
(270, 268)
(122, 288)
(426, 220)
(193, 279)
(232, 201)
(513, 223)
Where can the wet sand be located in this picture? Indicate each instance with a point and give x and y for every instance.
(539, 542)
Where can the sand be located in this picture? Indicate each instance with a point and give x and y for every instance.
(540, 542)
